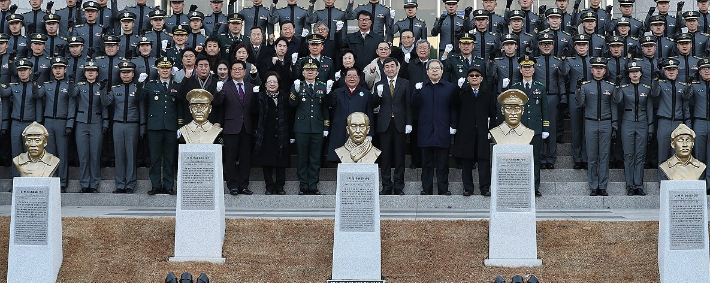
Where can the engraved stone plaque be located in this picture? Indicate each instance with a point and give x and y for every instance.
(31, 215)
(686, 220)
(198, 181)
(513, 182)
(357, 202)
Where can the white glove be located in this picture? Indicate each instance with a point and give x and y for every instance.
(164, 44)
(489, 136)
(305, 33)
(408, 129)
(392, 13)
(291, 141)
(379, 90)
(297, 85)
(337, 76)
(369, 138)
(220, 84)
(256, 89)
(325, 134)
(178, 134)
(142, 77)
(545, 135)
(328, 86)
(253, 69)
(175, 70)
(461, 81)
(407, 57)
(339, 25)
(418, 86)
(452, 131)
(294, 57)
(274, 59)
(506, 82)
(448, 48)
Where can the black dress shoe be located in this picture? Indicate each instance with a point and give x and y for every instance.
(234, 192)
(301, 192)
(154, 191)
(93, 190)
(593, 193)
(281, 191)
(577, 165)
(169, 191)
(385, 192)
(538, 193)
(602, 192)
(550, 166)
(246, 192)
(466, 193)
(584, 165)
(268, 192)
(119, 191)
(630, 190)
(63, 189)
(399, 192)
(129, 191)
(640, 192)
(446, 193)
(486, 193)
(424, 193)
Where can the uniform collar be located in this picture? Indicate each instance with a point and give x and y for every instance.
(24, 158)
(507, 130)
(674, 161)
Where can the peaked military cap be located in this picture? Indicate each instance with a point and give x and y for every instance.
(481, 14)
(633, 66)
(59, 62)
(91, 5)
(14, 18)
(623, 21)
(126, 66)
(546, 37)
(526, 61)
(661, 1)
(199, 96)
(35, 129)
(467, 38)
(38, 38)
(76, 40)
(597, 61)
(616, 40)
(581, 39)
(156, 14)
(474, 68)
(171, 1)
(553, 12)
(510, 38)
(410, 3)
(657, 20)
(451, 2)
(683, 37)
(516, 14)
(704, 63)
(691, 15)
(648, 40)
(110, 39)
(682, 129)
(196, 15)
(180, 30)
(315, 39)
(4, 38)
(128, 16)
(164, 62)
(626, 2)
(512, 97)
(51, 18)
(216, 1)
(311, 64)
(589, 16)
(145, 40)
(91, 65)
(235, 18)
(670, 63)
(23, 64)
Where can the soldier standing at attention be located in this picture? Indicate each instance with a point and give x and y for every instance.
(700, 92)
(258, 15)
(382, 16)
(536, 113)
(292, 12)
(595, 97)
(451, 26)
(411, 22)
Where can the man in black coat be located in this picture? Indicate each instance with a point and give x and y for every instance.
(477, 115)
(200, 78)
(363, 42)
(394, 122)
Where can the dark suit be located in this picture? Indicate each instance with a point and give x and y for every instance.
(345, 103)
(191, 83)
(471, 140)
(364, 49)
(395, 114)
(238, 131)
(259, 58)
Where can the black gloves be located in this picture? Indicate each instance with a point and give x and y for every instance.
(50, 4)
(608, 9)
(193, 8)
(680, 6)
(576, 4)
(103, 83)
(13, 8)
(510, 2)
(13, 55)
(651, 10)
(3, 132)
(613, 134)
(71, 77)
(104, 130)
(68, 131)
(312, 1)
(467, 12)
(541, 10)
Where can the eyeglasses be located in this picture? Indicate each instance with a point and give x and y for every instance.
(474, 75)
(435, 68)
(238, 69)
(383, 49)
(271, 82)
(362, 20)
(407, 37)
(188, 56)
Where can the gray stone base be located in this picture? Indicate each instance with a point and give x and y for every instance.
(513, 262)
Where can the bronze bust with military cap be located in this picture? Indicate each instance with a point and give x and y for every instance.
(358, 149)
(512, 131)
(200, 130)
(682, 165)
(36, 162)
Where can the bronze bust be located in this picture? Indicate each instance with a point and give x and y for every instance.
(36, 162)
(200, 130)
(358, 149)
(682, 165)
(512, 131)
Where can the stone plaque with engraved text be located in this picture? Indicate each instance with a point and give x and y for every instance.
(198, 180)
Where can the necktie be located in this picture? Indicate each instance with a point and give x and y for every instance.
(311, 87)
(364, 34)
(56, 98)
(392, 87)
(241, 92)
(475, 93)
(165, 85)
(527, 86)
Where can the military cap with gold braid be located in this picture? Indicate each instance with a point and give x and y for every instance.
(23, 64)
(509, 38)
(126, 66)
(311, 64)
(111, 39)
(516, 14)
(526, 61)
(90, 5)
(4, 38)
(51, 18)
(589, 16)
(157, 14)
(196, 15)
(145, 40)
(467, 38)
(315, 39)
(546, 37)
(704, 63)
(616, 40)
(410, 3)
(512, 97)
(199, 96)
(481, 14)
(691, 15)
(76, 40)
(657, 20)
(623, 21)
(553, 12)
(180, 30)
(235, 18)
(662, 1)
(581, 39)
(450, 2)
(633, 66)
(164, 62)
(59, 62)
(670, 63)
(598, 61)
(128, 16)
(91, 65)
(38, 38)
(14, 18)
(682, 129)
(626, 2)
(683, 37)
(648, 40)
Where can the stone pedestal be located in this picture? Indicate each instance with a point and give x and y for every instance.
(356, 246)
(512, 228)
(35, 251)
(199, 212)
(683, 232)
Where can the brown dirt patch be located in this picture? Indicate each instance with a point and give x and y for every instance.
(137, 250)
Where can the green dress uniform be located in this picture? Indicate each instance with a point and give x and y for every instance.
(326, 71)
(457, 66)
(311, 120)
(535, 118)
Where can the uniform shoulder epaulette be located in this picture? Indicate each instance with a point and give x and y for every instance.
(558, 58)
(498, 58)
(611, 83)
(682, 83)
(645, 85)
(63, 38)
(567, 33)
(492, 33)
(129, 6)
(585, 82)
(81, 83)
(671, 39)
(116, 86)
(538, 83)
(39, 86)
(660, 81)
(49, 82)
(3, 85)
(696, 57)
(625, 85)
(634, 38)
(79, 25)
(99, 57)
(320, 83)
(515, 83)
(705, 34)
(420, 19)
(695, 82)
(326, 57)
(14, 83)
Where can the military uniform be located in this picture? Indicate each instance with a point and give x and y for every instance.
(416, 25)
(312, 119)
(601, 17)
(128, 122)
(146, 65)
(381, 16)
(142, 20)
(329, 15)
(41, 65)
(636, 25)
(496, 23)
(668, 20)
(616, 73)
(18, 44)
(326, 71)
(91, 122)
(486, 42)
(58, 99)
(699, 91)
(530, 21)
(157, 37)
(75, 67)
(107, 16)
(673, 109)
(91, 33)
(128, 42)
(699, 38)
(547, 71)
(55, 42)
(506, 68)
(257, 15)
(294, 13)
(450, 27)
(175, 20)
(34, 21)
(600, 121)
(5, 62)
(577, 69)
(69, 17)
(227, 38)
(215, 20)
